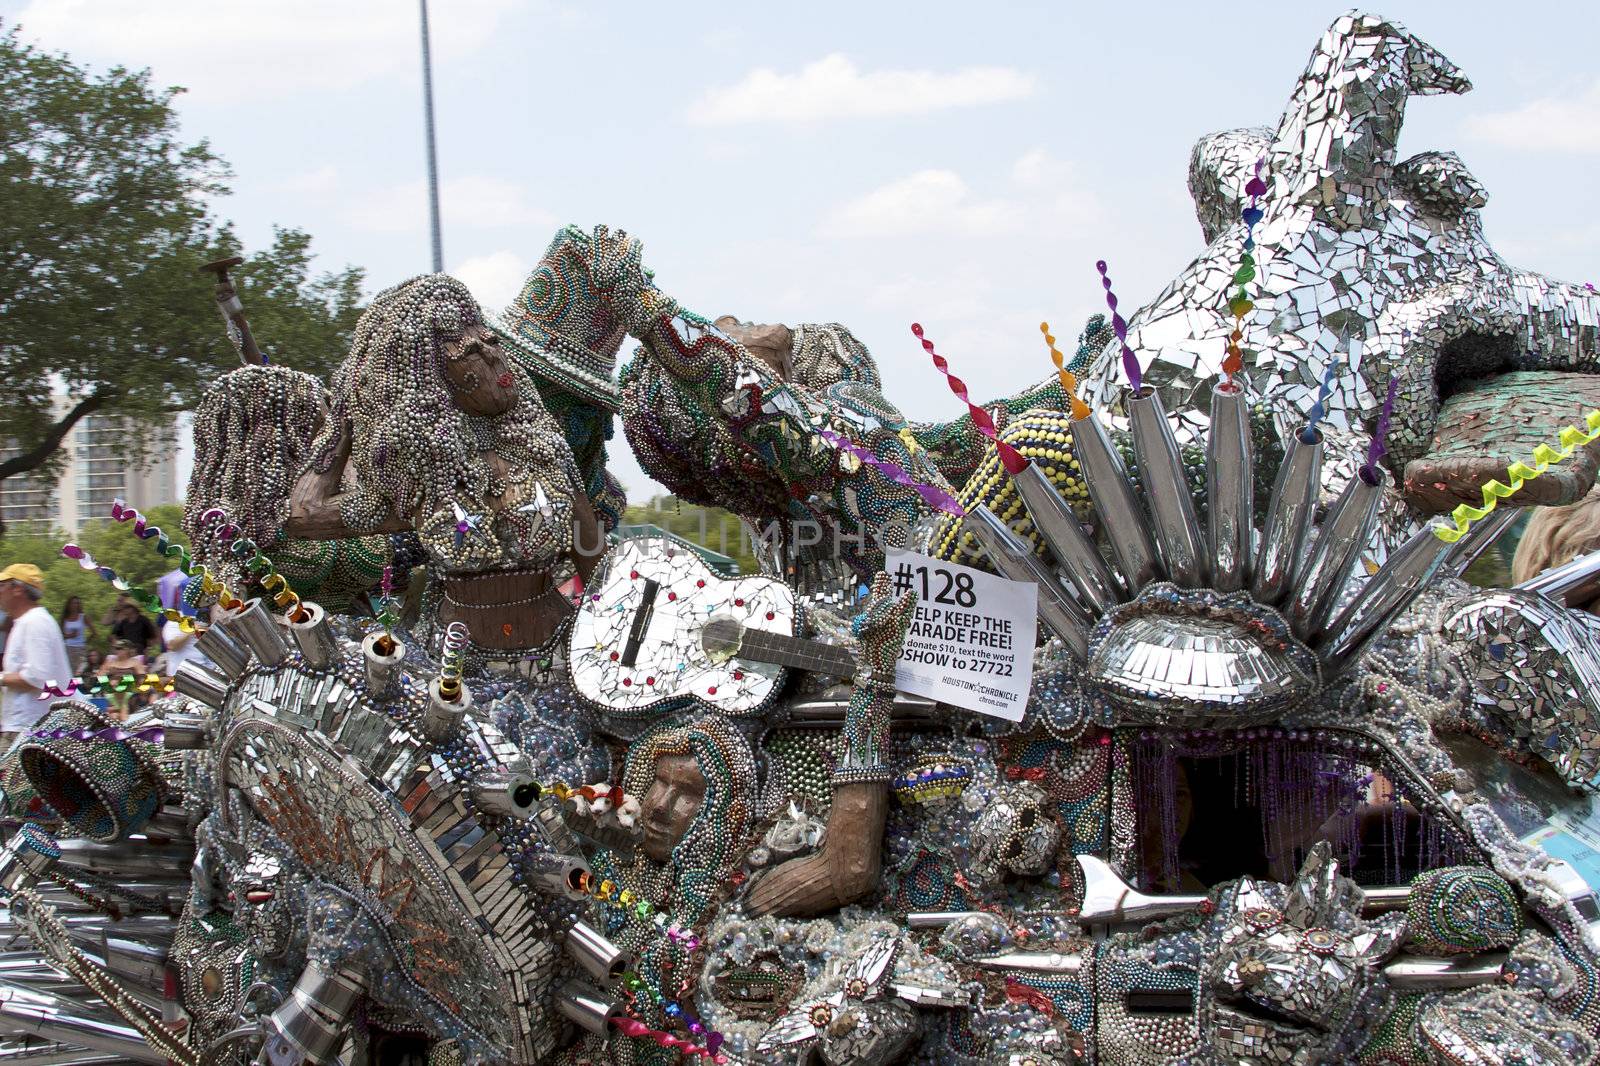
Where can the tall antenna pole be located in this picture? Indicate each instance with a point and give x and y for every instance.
(433, 153)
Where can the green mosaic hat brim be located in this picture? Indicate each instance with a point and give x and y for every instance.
(548, 366)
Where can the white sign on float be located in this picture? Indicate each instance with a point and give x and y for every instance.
(971, 641)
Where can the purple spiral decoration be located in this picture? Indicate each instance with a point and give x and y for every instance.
(936, 498)
(153, 734)
(1380, 437)
(1130, 364)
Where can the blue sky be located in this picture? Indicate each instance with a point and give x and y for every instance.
(961, 165)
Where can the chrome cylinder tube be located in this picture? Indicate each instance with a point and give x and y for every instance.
(1166, 488)
(202, 684)
(559, 875)
(505, 794)
(1017, 562)
(319, 647)
(1467, 550)
(230, 657)
(1230, 489)
(185, 732)
(1126, 526)
(383, 658)
(442, 717)
(1574, 582)
(937, 919)
(36, 1013)
(256, 628)
(1326, 570)
(586, 1007)
(1075, 553)
(1290, 513)
(599, 957)
(29, 853)
(1397, 582)
(318, 1011)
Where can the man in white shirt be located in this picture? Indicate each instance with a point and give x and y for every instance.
(35, 653)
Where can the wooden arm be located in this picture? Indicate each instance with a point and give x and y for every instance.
(845, 870)
(314, 503)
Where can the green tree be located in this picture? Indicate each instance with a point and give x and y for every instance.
(709, 527)
(104, 220)
(109, 543)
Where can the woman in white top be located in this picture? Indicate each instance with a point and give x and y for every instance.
(76, 629)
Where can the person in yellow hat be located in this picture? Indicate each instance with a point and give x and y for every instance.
(35, 653)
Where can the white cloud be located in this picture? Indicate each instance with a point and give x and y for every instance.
(495, 279)
(834, 87)
(1058, 188)
(928, 201)
(475, 201)
(227, 51)
(1552, 124)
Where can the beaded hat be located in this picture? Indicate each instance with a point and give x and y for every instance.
(560, 327)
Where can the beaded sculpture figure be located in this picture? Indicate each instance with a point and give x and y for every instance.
(253, 432)
(419, 456)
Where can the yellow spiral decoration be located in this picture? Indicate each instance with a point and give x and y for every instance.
(1544, 457)
(1069, 380)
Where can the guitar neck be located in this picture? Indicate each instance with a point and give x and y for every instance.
(797, 653)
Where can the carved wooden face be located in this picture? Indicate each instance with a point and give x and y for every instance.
(670, 805)
(479, 377)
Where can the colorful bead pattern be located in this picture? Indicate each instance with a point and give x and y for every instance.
(1462, 910)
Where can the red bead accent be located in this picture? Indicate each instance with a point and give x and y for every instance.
(712, 690)
(615, 656)
(700, 584)
(649, 680)
(627, 681)
(770, 616)
(672, 595)
(634, 574)
(738, 675)
(738, 603)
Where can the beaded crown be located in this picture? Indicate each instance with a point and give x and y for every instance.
(560, 326)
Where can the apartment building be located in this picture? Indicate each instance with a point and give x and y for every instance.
(98, 470)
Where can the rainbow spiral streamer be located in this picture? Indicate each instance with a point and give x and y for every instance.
(1130, 362)
(153, 734)
(1241, 305)
(936, 498)
(639, 1031)
(100, 685)
(1069, 380)
(1319, 410)
(165, 545)
(1544, 457)
(249, 556)
(1013, 459)
(1379, 447)
(143, 597)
